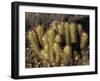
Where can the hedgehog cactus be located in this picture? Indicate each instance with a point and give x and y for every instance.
(83, 40)
(80, 28)
(61, 28)
(73, 32)
(57, 51)
(34, 41)
(56, 42)
(67, 33)
(45, 40)
(40, 33)
(58, 39)
(67, 54)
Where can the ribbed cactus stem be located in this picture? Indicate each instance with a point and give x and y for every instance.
(34, 41)
(47, 49)
(73, 33)
(61, 28)
(83, 40)
(67, 33)
(80, 29)
(45, 40)
(51, 37)
(58, 39)
(57, 51)
(44, 56)
(40, 33)
(51, 55)
(67, 54)
(54, 25)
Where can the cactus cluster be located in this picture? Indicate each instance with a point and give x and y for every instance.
(60, 44)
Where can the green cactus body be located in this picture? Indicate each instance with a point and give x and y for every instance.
(45, 40)
(47, 49)
(57, 51)
(54, 25)
(67, 33)
(44, 55)
(34, 41)
(61, 28)
(58, 45)
(58, 39)
(67, 55)
(40, 33)
(80, 29)
(51, 55)
(73, 33)
(51, 37)
(83, 40)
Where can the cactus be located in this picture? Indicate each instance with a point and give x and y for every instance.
(40, 33)
(67, 55)
(51, 37)
(45, 40)
(34, 41)
(44, 55)
(83, 40)
(54, 46)
(61, 28)
(47, 49)
(58, 39)
(67, 33)
(54, 25)
(80, 28)
(73, 33)
(58, 51)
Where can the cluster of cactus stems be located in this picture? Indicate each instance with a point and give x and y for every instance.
(61, 44)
